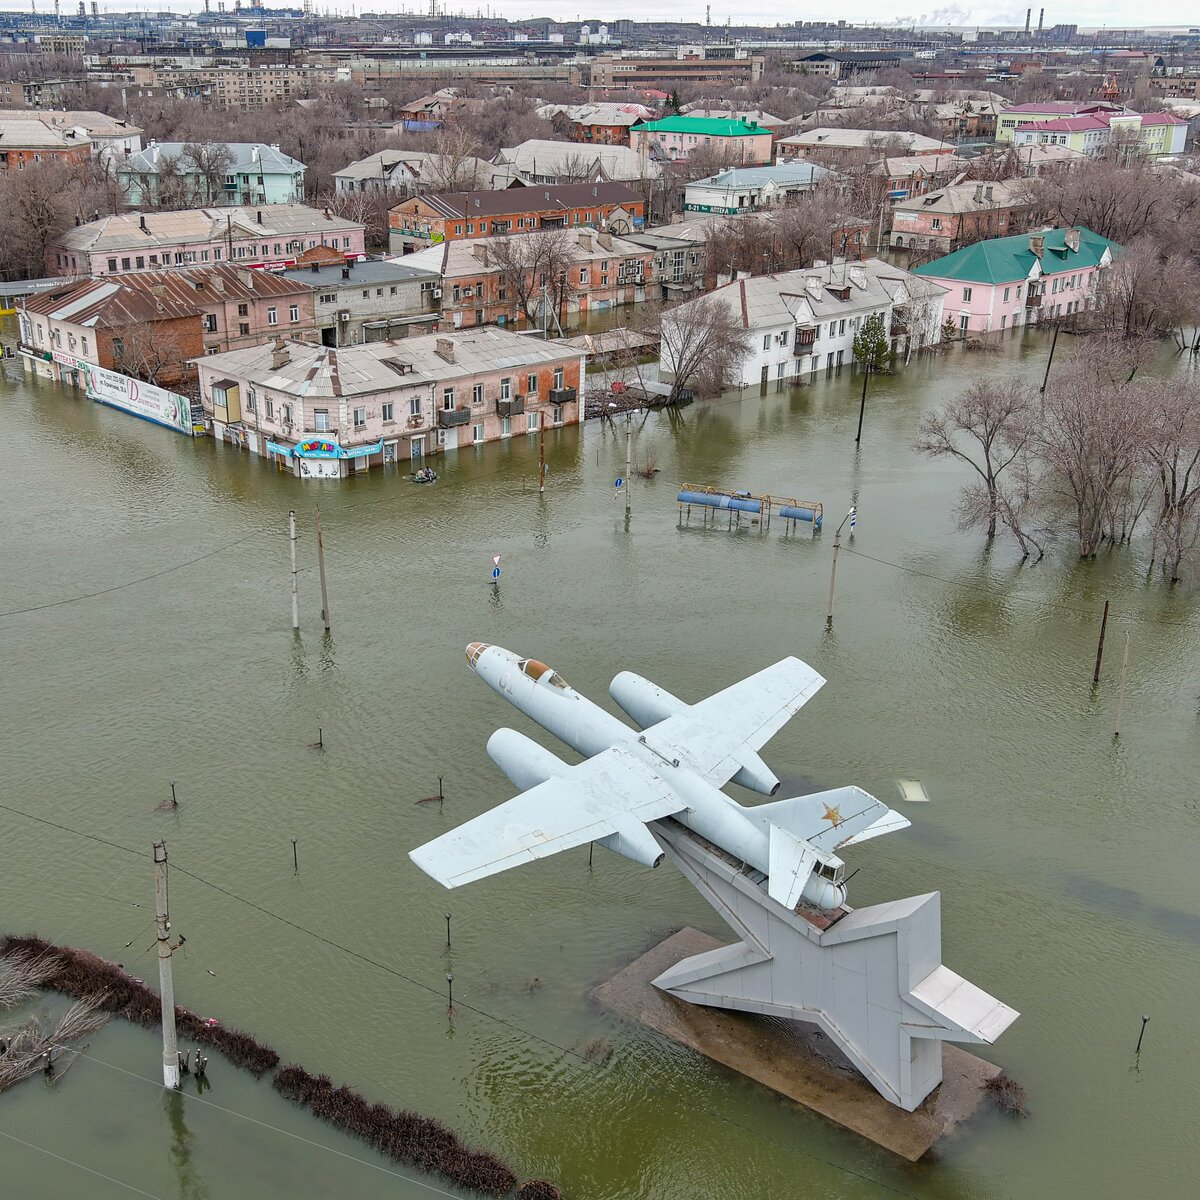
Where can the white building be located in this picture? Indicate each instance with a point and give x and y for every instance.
(412, 171)
(800, 322)
(747, 189)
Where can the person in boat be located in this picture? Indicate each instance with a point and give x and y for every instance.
(425, 475)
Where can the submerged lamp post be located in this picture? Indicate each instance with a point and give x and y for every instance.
(837, 545)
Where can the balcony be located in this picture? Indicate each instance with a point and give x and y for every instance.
(806, 337)
(1033, 301)
(562, 395)
(512, 407)
(899, 326)
(625, 278)
(447, 418)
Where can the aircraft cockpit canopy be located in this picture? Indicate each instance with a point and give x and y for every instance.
(539, 672)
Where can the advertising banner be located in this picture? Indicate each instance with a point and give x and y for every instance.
(145, 400)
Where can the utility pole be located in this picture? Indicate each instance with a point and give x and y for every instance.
(1046, 377)
(321, 569)
(295, 584)
(166, 988)
(837, 545)
(628, 467)
(541, 453)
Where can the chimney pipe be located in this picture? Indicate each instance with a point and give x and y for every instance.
(1041, 19)
(1028, 18)
(142, 223)
(316, 268)
(345, 271)
(259, 212)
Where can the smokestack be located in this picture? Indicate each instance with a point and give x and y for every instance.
(1028, 18)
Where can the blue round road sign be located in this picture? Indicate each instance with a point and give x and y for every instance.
(619, 483)
(495, 572)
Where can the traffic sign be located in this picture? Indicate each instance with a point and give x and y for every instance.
(620, 483)
(495, 560)
(495, 572)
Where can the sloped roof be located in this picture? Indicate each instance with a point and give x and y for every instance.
(708, 126)
(321, 372)
(542, 156)
(751, 177)
(539, 198)
(29, 133)
(212, 285)
(1010, 259)
(247, 157)
(106, 304)
(978, 196)
(864, 139)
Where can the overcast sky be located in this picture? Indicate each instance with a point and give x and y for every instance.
(1099, 13)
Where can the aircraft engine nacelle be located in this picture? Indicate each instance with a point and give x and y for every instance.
(645, 702)
(525, 762)
(633, 840)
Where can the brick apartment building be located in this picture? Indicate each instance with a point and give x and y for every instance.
(25, 140)
(429, 220)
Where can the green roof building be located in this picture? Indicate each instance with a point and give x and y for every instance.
(1007, 282)
(731, 142)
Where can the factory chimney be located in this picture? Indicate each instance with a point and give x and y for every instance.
(1028, 18)
(1041, 20)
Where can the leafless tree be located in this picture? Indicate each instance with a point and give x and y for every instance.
(1173, 451)
(148, 351)
(454, 166)
(534, 270)
(702, 346)
(205, 164)
(989, 427)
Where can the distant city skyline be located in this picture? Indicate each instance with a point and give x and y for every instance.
(1123, 14)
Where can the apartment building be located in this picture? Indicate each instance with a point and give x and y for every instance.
(261, 86)
(748, 189)
(275, 235)
(223, 173)
(410, 172)
(110, 137)
(1020, 115)
(542, 161)
(744, 143)
(1155, 134)
(691, 64)
(328, 413)
(25, 142)
(369, 301)
(485, 282)
(949, 217)
(847, 145)
(452, 216)
(605, 124)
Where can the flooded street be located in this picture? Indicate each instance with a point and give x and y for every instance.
(144, 618)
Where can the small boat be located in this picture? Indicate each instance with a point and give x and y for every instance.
(425, 475)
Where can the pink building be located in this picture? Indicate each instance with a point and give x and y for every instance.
(736, 143)
(329, 413)
(270, 235)
(1007, 282)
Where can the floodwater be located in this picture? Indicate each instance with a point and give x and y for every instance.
(1066, 860)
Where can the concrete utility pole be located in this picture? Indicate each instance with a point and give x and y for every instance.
(541, 453)
(837, 545)
(628, 466)
(295, 585)
(321, 569)
(166, 988)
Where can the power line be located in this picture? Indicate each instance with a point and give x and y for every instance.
(80, 1166)
(486, 1015)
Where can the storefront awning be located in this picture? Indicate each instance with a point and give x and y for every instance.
(324, 448)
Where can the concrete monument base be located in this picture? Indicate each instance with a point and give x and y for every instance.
(796, 1060)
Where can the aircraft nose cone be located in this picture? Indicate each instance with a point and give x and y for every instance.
(474, 650)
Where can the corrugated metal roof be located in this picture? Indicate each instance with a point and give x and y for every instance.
(246, 157)
(537, 198)
(104, 304)
(1010, 259)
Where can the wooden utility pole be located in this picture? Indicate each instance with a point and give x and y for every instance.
(1100, 644)
(166, 988)
(321, 569)
(295, 584)
(1121, 699)
(1046, 377)
(628, 466)
(541, 452)
(837, 545)
(862, 404)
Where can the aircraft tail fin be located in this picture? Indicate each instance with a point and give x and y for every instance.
(830, 819)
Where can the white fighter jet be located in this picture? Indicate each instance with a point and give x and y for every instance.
(675, 767)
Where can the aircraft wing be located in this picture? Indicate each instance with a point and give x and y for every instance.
(585, 803)
(743, 716)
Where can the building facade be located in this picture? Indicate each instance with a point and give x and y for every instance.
(1020, 115)
(673, 139)
(274, 236)
(388, 402)
(1154, 134)
(1006, 283)
(850, 145)
(26, 143)
(370, 301)
(221, 173)
(945, 219)
(453, 216)
(749, 189)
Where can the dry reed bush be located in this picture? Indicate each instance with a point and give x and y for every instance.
(538, 1189)
(1007, 1094)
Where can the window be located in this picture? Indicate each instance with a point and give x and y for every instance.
(272, 315)
(321, 420)
(286, 410)
(583, 276)
(388, 412)
(204, 256)
(937, 222)
(477, 395)
(766, 341)
(414, 406)
(783, 337)
(1006, 292)
(244, 328)
(531, 422)
(458, 233)
(470, 226)
(84, 345)
(477, 433)
(962, 322)
(505, 426)
(506, 388)
(392, 291)
(210, 322)
(366, 293)
(118, 345)
(447, 398)
(328, 298)
(531, 385)
(270, 410)
(243, 310)
(251, 400)
(557, 414)
(294, 313)
(966, 294)
(124, 264)
(140, 261)
(360, 417)
(558, 378)
(112, 264)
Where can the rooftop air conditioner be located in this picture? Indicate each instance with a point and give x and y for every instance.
(437, 293)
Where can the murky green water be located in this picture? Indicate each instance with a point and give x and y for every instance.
(1067, 862)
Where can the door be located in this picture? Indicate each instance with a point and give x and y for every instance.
(766, 374)
(416, 447)
(389, 452)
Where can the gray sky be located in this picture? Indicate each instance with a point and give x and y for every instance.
(1090, 13)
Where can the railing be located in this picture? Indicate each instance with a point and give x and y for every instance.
(562, 395)
(899, 326)
(447, 418)
(512, 407)
(805, 338)
(1033, 301)
(631, 277)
